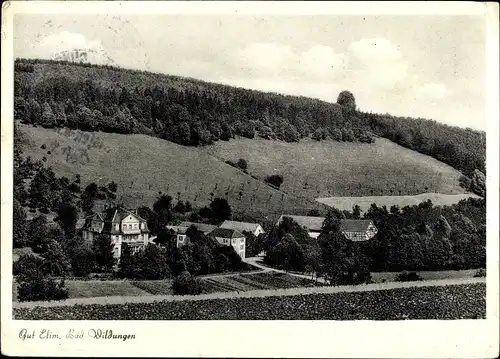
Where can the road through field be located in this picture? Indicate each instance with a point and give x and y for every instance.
(248, 294)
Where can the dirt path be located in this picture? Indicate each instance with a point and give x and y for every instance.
(253, 293)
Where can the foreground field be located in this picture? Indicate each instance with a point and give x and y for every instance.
(438, 199)
(445, 302)
(213, 284)
(323, 169)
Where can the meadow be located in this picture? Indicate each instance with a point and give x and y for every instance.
(144, 166)
(313, 169)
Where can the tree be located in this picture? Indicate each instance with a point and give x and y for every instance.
(356, 212)
(27, 265)
(103, 251)
(186, 284)
(152, 263)
(56, 261)
(67, 216)
(39, 287)
(18, 226)
(332, 220)
(37, 230)
(286, 254)
(314, 213)
(346, 99)
(318, 134)
(112, 186)
(82, 261)
(180, 207)
(220, 209)
(242, 164)
(342, 261)
(274, 180)
(478, 183)
(127, 266)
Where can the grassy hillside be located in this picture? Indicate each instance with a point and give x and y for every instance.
(327, 168)
(142, 166)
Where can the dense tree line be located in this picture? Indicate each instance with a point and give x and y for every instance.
(414, 238)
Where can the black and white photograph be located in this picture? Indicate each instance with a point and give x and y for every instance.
(241, 166)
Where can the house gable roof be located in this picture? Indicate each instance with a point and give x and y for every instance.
(202, 227)
(355, 225)
(240, 226)
(226, 233)
(113, 216)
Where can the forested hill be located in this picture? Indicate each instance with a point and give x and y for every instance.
(192, 112)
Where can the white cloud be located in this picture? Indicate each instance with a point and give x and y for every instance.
(317, 63)
(381, 63)
(53, 44)
(268, 57)
(68, 41)
(433, 91)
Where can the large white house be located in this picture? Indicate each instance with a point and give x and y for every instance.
(230, 237)
(353, 229)
(225, 236)
(254, 228)
(121, 225)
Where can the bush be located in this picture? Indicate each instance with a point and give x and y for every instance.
(480, 273)
(406, 276)
(83, 261)
(242, 164)
(186, 284)
(274, 180)
(41, 288)
(27, 265)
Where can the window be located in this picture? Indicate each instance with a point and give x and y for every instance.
(242, 246)
(135, 226)
(234, 241)
(124, 226)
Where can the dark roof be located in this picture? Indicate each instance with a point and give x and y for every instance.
(202, 227)
(226, 233)
(112, 216)
(354, 225)
(240, 226)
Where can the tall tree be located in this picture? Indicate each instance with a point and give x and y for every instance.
(103, 251)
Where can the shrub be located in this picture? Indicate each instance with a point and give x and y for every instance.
(83, 261)
(186, 284)
(27, 265)
(480, 273)
(406, 276)
(41, 288)
(274, 180)
(242, 164)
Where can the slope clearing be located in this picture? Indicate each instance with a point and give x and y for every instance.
(143, 166)
(326, 169)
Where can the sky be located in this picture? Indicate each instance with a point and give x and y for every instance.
(418, 66)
